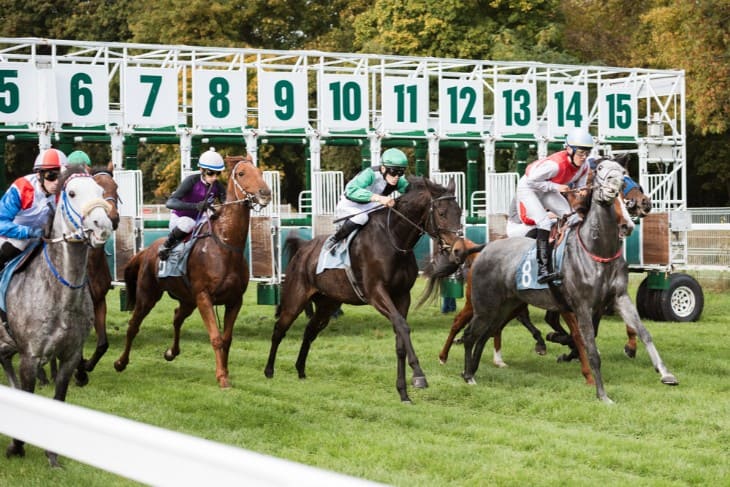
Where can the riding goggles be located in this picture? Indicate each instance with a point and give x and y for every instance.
(208, 172)
(394, 171)
(50, 175)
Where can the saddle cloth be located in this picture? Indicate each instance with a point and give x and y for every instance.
(341, 257)
(527, 268)
(176, 264)
(13, 265)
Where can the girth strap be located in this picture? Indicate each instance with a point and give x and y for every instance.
(353, 282)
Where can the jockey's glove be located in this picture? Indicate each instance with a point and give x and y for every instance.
(35, 233)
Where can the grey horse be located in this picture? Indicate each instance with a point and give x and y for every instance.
(49, 309)
(594, 274)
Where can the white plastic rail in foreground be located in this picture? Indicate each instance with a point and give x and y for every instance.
(147, 453)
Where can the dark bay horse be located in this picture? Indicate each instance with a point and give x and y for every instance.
(384, 268)
(100, 276)
(594, 275)
(217, 270)
(49, 309)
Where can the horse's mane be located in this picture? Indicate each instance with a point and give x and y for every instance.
(69, 171)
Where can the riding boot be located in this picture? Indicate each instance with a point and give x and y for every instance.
(544, 267)
(8, 252)
(176, 236)
(346, 229)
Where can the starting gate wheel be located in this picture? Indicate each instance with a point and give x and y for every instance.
(684, 300)
(642, 297)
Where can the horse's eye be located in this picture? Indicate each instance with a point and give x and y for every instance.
(72, 194)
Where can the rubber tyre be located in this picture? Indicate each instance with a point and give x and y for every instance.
(684, 300)
(642, 297)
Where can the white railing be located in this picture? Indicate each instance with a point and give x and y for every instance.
(147, 453)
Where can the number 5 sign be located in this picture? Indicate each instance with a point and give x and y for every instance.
(18, 93)
(150, 97)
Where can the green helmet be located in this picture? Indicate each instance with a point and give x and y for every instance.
(79, 157)
(394, 158)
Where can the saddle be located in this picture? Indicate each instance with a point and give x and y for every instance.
(16, 264)
(526, 276)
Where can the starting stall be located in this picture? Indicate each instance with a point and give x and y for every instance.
(125, 94)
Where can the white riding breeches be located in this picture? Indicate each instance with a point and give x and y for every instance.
(538, 204)
(184, 223)
(357, 212)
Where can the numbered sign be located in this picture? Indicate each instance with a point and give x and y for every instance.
(343, 102)
(404, 103)
(219, 98)
(82, 94)
(150, 97)
(18, 93)
(617, 115)
(282, 100)
(461, 105)
(567, 107)
(515, 108)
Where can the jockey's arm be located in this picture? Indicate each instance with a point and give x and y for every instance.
(355, 189)
(540, 175)
(175, 202)
(10, 206)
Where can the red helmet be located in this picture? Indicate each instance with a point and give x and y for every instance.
(50, 159)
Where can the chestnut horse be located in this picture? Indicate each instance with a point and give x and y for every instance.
(217, 270)
(383, 270)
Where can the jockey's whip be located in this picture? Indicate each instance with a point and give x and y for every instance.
(374, 208)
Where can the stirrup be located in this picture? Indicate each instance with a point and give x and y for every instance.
(163, 253)
(549, 277)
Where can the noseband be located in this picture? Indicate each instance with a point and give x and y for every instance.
(247, 198)
(75, 218)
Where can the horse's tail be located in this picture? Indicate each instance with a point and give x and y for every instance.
(130, 279)
(441, 267)
(292, 245)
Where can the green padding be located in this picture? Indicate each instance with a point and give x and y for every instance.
(267, 293)
(477, 234)
(658, 280)
(633, 246)
(452, 288)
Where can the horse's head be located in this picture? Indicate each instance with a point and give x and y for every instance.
(82, 215)
(246, 181)
(608, 180)
(104, 177)
(444, 218)
(637, 202)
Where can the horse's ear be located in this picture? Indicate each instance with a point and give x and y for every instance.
(230, 161)
(110, 167)
(451, 188)
(623, 159)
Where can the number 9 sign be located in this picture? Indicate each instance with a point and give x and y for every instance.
(282, 99)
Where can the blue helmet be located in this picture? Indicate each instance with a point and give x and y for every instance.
(210, 159)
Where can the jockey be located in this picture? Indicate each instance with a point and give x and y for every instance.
(369, 189)
(29, 204)
(539, 192)
(79, 157)
(192, 198)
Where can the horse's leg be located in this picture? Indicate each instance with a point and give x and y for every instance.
(317, 323)
(7, 363)
(102, 344)
(628, 313)
(460, 321)
(395, 309)
(147, 296)
(585, 340)
(292, 304)
(180, 315)
(524, 318)
(66, 367)
(27, 371)
(229, 320)
(497, 354)
(205, 308)
(585, 367)
(630, 347)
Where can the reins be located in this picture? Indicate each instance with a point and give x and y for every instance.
(421, 230)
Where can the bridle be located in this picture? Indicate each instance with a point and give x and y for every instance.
(246, 197)
(435, 231)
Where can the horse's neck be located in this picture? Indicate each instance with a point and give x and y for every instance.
(68, 258)
(405, 234)
(232, 224)
(599, 230)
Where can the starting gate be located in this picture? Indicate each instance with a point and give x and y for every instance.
(123, 93)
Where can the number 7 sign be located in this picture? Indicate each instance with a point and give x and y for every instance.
(150, 97)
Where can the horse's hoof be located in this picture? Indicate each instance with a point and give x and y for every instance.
(630, 352)
(500, 364)
(606, 400)
(407, 400)
(53, 459)
(442, 361)
(224, 383)
(670, 380)
(540, 349)
(459, 341)
(419, 382)
(169, 356)
(269, 373)
(468, 379)
(82, 379)
(119, 365)
(89, 366)
(14, 450)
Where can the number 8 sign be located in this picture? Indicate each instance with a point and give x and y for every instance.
(219, 98)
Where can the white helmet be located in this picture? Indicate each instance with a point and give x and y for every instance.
(579, 138)
(210, 159)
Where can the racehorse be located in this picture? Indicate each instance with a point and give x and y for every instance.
(383, 269)
(636, 202)
(217, 270)
(49, 310)
(100, 277)
(593, 275)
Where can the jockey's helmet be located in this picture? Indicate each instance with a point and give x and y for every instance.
(79, 157)
(394, 158)
(50, 159)
(579, 138)
(210, 159)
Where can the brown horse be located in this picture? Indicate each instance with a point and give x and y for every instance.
(383, 269)
(217, 270)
